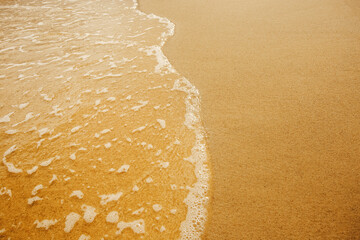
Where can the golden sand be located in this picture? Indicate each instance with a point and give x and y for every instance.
(280, 88)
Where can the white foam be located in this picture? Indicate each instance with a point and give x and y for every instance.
(6, 191)
(36, 189)
(112, 217)
(10, 150)
(105, 198)
(138, 226)
(46, 97)
(34, 199)
(23, 105)
(70, 221)
(56, 136)
(149, 180)
(89, 213)
(163, 65)
(10, 166)
(123, 169)
(105, 131)
(142, 104)
(157, 207)
(77, 193)
(107, 145)
(164, 164)
(138, 212)
(158, 152)
(135, 188)
(84, 237)
(32, 170)
(49, 161)
(6, 118)
(11, 131)
(162, 229)
(139, 129)
(72, 156)
(44, 131)
(53, 179)
(197, 199)
(75, 129)
(161, 122)
(47, 223)
(28, 116)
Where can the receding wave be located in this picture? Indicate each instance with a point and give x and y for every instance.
(101, 137)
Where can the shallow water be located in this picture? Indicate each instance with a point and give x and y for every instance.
(100, 136)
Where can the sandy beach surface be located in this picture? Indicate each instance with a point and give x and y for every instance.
(280, 88)
(100, 136)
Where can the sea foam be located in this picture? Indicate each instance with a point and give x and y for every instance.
(197, 199)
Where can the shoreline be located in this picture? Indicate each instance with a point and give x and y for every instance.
(280, 104)
(197, 199)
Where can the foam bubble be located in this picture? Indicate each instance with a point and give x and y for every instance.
(75, 129)
(139, 129)
(142, 104)
(123, 169)
(161, 122)
(34, 199)
(11, 131)
(10, 166)
(47, 223)
(49, 161)
(112, 217)
(70, 221)
(44, 131)
(110, 197)
(157, 207)
(138, 226)
(6, 118)
(32, 170)
(164, 164)
(89, 213)
(53, 179)
(84, 237)
(6, 191)
(135, 188)
(149, 180)
(36, 189)
(139, 211)
(77, 193)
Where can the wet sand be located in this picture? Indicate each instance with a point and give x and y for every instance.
(280, 89)
(99, 135)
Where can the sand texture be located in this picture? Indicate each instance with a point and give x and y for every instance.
(280, 88)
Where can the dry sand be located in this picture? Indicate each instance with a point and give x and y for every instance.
(280, 86)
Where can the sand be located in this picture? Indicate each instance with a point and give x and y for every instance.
(94, 122)
(280, 89)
